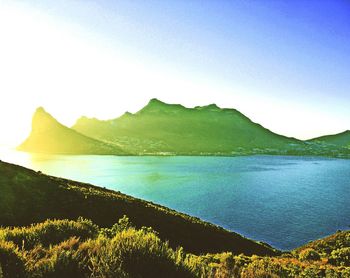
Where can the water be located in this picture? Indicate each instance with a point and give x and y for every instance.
(284, 201)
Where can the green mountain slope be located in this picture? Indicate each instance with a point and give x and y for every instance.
(29, 197)
(341, 139)
(49, 136)
(168, 128)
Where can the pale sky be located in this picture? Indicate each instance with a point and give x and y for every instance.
(284, 65)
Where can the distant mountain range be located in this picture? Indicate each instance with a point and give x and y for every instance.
(172, 129)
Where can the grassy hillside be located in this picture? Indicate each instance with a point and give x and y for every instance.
(49, 136)
(28, 197)
(168, 128)
(76, 249)
(63, 248)
(341, 139)
(334, 248)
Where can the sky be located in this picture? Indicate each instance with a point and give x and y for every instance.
(284, 64)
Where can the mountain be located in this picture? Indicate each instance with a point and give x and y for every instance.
(172, 129)
(341, 139)
(49, 136)
(31, 197)
(161, 128)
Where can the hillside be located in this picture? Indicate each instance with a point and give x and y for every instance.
(174, 129)
(49, 136)
(326, 246)
(30, 197)
(80, 248)
(341, 139)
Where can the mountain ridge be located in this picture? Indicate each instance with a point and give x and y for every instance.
(154, 102)
(341, 139)
(50, 136)
(160, 128)
(159, 123)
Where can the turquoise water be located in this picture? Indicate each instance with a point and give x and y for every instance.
(284, 201)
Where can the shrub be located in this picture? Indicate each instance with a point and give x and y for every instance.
(200, 266)
(263, 268)
(50, 232)
(309, 254)
(133, 253)
(62, 248)
(325, 246)
(58, 261)
(123, 224)
(312, 271)
(11, 262)
(345, 272)
(340, 257)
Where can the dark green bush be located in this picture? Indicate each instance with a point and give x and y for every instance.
(326, 245)
(312, 271)
(340, 257)
(11, 261)
(309, 254)
(264, 267)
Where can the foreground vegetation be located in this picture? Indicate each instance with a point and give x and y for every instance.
(66, 248)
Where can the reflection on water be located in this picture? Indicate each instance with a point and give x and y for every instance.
(285, 201)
